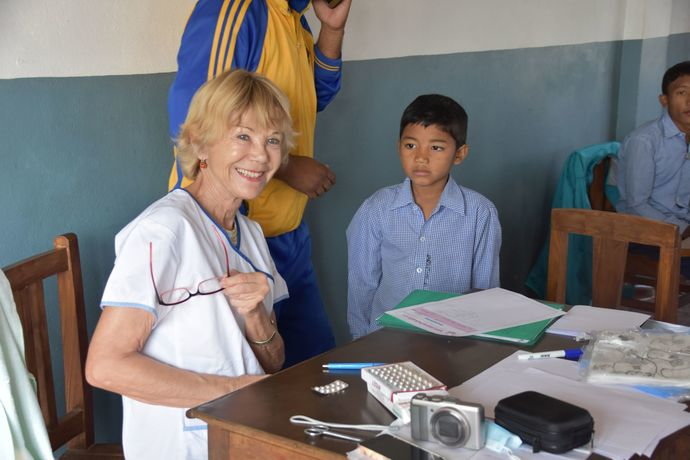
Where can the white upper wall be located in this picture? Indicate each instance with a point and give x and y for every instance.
(451, 26)
(63, 38)
(60, 38)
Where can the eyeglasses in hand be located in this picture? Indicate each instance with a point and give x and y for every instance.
(177, 296)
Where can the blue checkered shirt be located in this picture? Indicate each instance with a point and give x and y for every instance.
(392, 250)
(654, 173)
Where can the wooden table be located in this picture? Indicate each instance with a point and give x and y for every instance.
(253, 423)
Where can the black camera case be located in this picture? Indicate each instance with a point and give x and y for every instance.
(544, 422)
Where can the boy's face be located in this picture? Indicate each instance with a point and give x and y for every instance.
(677, 101)
(428, 154)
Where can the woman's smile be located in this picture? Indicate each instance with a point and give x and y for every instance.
(249, 174)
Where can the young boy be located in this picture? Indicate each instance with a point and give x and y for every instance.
(427, 232)
(654, 160)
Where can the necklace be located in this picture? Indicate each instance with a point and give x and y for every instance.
(232, 232)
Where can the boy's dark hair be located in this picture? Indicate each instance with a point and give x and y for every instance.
(442, 111)
(673, 73)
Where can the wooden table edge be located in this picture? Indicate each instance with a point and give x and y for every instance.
(257, 435)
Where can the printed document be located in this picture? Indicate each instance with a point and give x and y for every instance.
(475, 313)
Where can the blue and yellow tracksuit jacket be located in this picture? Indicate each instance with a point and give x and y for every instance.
(270, 37)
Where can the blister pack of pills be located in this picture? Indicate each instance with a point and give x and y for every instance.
(333, 387)
(394, 385)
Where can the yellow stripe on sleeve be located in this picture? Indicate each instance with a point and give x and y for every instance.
(323, 65)
(219, 26)
(235, 29)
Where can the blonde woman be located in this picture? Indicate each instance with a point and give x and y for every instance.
(188, 308)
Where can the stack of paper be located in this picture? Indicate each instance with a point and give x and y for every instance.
(626, 422)
(476, 313)
(582, 320)
(524, 334)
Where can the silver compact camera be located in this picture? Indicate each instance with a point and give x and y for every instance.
(447, 420)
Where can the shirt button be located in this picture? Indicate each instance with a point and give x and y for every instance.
(419, 270)
(422, 239)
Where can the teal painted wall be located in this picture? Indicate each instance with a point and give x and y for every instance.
(86, 155)
(678, 48)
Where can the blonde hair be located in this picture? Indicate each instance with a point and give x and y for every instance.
(220, 103)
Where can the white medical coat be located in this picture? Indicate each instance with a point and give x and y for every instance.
(202, 334)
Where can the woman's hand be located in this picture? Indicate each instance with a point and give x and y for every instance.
(245, 291)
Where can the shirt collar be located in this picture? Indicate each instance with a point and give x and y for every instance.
(669, 127)
(451, 198)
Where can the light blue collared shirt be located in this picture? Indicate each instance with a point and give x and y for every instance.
(654, 173)
(392, 250)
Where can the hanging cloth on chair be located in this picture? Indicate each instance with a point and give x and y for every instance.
(23, 433)
(571, 192)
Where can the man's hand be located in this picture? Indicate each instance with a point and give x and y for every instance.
(332, 18)
(245, 291)
(307, 175)
(333, 21)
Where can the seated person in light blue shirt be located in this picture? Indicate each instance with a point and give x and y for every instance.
(427, 232)
(654, 160)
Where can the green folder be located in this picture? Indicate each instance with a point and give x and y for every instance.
(526, 334)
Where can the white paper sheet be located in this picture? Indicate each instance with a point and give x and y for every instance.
(625, 421)
(583, 319)
(471, 314)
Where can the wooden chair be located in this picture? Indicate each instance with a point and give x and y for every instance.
(640, 268)
(75, 428)
(611, 233)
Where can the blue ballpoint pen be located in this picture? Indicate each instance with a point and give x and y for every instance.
(340, 366)
(572, 354)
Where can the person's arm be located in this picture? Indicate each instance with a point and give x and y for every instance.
(485, 263)
(305, 174)
(364, 269)
(638, 169)
(246, 293)
(333, 21)
(268, 346)
(115, 363)
(328, 63)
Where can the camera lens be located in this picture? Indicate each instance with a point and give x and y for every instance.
(450, 427)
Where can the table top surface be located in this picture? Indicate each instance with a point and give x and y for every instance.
(265, 407)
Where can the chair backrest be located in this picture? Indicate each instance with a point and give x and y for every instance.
(611, 233)
(26, 278)
(597, 189)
